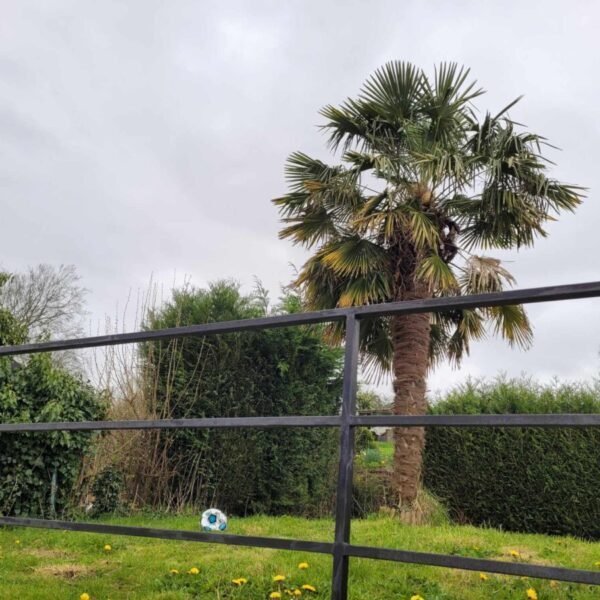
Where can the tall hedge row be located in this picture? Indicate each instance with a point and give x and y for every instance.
(519, 479)
(288, 371)
(38, 470)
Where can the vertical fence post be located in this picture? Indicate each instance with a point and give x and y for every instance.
(343, 511)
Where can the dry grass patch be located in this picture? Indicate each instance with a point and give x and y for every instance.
(66, 571)
(46, 553)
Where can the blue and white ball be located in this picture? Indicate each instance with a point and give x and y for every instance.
(213, 520)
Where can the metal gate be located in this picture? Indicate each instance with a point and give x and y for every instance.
(341, 549)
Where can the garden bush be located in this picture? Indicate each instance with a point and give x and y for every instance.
(106, 491)
(520, 479)
(37, 391)
(371, 490)
(285, 371)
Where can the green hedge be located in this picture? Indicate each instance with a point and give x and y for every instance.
(519, 479)
(286, 371)
(29, 462)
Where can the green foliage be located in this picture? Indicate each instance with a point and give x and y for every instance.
(519, 479)
(371, 490)
(367, 401)
(11, 331)
(107, 489)
(289, 371)
(377, 455)
(34, 392)
(425, 181)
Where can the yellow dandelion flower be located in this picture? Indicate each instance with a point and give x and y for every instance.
(194, 571)
(303, 565)
(515, 553)
(483, 577)
(84, 596)
(297, 592)
(17, 542)
(417, 597)
(239, 581)
(274, 595)
(278, 578)
(532, 594)
(309, 588)
(107, 548)
(174, 572)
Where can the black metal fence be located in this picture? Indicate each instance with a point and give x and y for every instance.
(341, 549)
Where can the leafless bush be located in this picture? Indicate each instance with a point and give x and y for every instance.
(50, 303)
(130, 387)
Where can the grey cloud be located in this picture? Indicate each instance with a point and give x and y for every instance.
(143, 138)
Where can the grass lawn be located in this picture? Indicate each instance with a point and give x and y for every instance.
(38, 564)
(378, 455)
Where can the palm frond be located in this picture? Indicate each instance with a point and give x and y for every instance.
(309, 228)
(512, 323)
(447, 104)
(437, 275)
(483, 274)
(318, 284)
(424, 229)
(558, 196)
(502, 112)
(325, 196)
(353, 256)
(452, 333)
(372, 288)
(517, 198)
(440, 164)
(380, 218)
(345, 124)
(394, 90)
(362, 161)
(501, 218)
(377, 348)
(438, 342)
(371, 206)
(301, 168)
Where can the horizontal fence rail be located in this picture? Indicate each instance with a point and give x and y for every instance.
(522, 420)
(528, 296)
(349, 550)
(341, 549)
(476, 564)
(181, 535)
(519, 420)
(206, 423)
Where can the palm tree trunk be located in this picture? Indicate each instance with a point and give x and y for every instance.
(410, 337)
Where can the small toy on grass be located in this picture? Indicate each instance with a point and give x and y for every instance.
(213, 520)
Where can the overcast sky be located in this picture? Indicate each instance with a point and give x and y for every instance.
(146, 138)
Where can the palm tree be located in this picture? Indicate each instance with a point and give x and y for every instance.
(423, 186)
